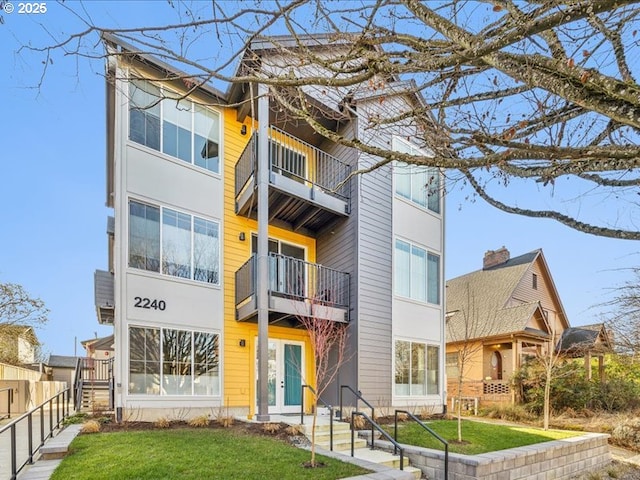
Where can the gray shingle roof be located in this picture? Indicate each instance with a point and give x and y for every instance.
(62, 361)
(477, 302)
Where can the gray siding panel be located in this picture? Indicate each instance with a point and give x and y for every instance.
(336, 247)
(103, 289)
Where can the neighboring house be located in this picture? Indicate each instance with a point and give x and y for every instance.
(189, 302)
(18, 344)
(62, 368)
(499, 316)
(99, 348)
(587, 341)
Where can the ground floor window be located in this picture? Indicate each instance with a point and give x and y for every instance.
(417, 367)
(164, 361)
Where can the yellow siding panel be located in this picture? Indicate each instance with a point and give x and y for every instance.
(239, 362)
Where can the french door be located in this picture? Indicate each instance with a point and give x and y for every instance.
(284, 377)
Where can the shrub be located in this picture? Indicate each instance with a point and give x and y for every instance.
(75, 419)
(162, 422)
(512, 413)
(90, 426)
(225, 420)
(627, 434)
(294, 430)
(271, 428)
(200, 421)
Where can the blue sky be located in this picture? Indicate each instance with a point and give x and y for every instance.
(52, 174)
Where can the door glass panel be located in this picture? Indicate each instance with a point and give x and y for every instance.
(272, 374)
(292, 270)
(292, 376)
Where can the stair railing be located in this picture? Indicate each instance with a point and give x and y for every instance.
(77, 385)
(426, 428)
(9, 391)
(396, 446)
(358, 396)
(326, 405)
(57, 406)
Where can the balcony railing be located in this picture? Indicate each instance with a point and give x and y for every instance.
(297, 280)
(296, 160)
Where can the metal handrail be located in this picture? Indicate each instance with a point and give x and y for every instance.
(9, 391)
(359, 396)
(396, 446)
(438, 437)
(326, 405)
(65, 394)
(77, 385)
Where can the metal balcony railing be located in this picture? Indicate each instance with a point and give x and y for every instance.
(296, 159)
(297, 279)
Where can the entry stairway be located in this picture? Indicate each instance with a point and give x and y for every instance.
(342, 444)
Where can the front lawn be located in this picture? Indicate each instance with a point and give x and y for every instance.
(477, 437)
(192, 454)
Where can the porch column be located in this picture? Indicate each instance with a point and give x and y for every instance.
(601, 368)
(587, 364)
(515, 364)
(262, 274)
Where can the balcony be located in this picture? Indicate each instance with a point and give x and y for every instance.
(307, 187)
(104, 296)
(296, 289)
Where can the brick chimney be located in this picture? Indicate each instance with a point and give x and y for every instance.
(495, 257)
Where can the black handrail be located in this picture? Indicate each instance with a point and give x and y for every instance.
(65, 395)
(9, 391)
(77, 385)
(326, 405)
(396, 445)
(438, 437)
(359, 396)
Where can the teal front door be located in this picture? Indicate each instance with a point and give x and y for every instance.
(286, 365)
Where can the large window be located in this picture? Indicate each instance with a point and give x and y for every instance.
(416, 273)
(173, 362)
(417, 369)
(416, 183)
(177, 127)
(182, 245)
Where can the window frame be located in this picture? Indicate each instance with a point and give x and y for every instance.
(427, 291)
(426, 386)
(193, 267)
(160, 353)
(411, 149)
(162, 102)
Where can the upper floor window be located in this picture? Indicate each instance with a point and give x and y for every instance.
(416, 183)
(534, 281)
(177, 127)
(416, 273)
(180, 245)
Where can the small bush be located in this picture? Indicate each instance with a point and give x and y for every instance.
(200, 421)
(511, 413)
(75, 419)
(162, 422)
(225, 420)
(271, 428)
(90, 426)
(359, 422)
(294, 430)
(627, 434)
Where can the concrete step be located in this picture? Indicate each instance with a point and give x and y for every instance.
(343, 444)
(381, 458)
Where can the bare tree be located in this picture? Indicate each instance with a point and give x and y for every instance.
(623, 318)
(519, 97)
(328, 339)
(465, 330)
(19, 314)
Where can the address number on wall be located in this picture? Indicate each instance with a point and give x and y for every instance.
(149, 304)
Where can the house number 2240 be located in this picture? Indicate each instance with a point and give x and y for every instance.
(143, 302)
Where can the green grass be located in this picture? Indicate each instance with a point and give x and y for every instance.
(477, 437)
(192, 454)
